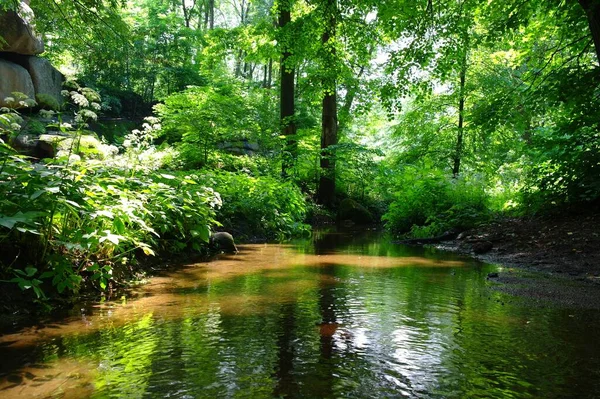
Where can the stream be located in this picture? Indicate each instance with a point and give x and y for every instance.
(339, 315)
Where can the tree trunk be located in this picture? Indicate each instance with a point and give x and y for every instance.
(288, 125)
(592, 10)
(461, 118)
(326, 189)
(206, 14)
(270, 74)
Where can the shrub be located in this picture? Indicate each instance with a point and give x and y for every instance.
(67, 221)
(259, 206)
(428, 203)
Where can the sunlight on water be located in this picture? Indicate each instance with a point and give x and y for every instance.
(335, 316)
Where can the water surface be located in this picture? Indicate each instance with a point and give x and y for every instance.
(335, 316)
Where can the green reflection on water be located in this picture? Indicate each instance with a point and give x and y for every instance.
(337, 316)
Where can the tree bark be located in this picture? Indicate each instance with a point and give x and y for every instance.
(270, 74)
(592, 10)
(326, 189)
(287, 106)
(461, 119)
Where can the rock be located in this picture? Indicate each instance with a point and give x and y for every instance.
(492, 275)
(56, 144)
(25, 144)
(482, 247)
(222, 242)
(14, 78)
(354, 212)
(18, 32)
(46, 79)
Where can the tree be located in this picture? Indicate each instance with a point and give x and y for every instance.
(287, 109)
(329, 123)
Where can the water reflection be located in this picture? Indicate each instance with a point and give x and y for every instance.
(342, 315)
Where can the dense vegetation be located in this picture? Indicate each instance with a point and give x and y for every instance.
(263, 115)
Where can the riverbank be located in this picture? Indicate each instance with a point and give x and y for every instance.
(568, 243)
(563, 246)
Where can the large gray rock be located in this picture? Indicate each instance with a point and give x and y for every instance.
(18, 33)
(13, 78)
(46, 79)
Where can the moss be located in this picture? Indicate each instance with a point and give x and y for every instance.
(46, 101)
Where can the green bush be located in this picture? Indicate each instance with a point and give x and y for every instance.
(428, 203)
(67, 221)
(258, 206)
(72, 219)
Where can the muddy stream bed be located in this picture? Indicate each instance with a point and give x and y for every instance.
(337, 315)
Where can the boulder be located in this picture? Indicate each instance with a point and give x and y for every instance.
(14, 78)
(56, 144)
(223, 242)
(18, 33)
(46, 79)
(350, 210)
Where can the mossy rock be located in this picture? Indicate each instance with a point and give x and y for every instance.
(47, 101)
(353, 211)
(58, 144)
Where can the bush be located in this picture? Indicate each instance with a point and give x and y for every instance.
(68, 221)
(427, 203)
(259, 206)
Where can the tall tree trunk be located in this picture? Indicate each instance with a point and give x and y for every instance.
(461, 118)
(206, 14)
(211, 11)
(592, 10)
(326, 189)
(270, 74)
(238, 63)
(288, 125)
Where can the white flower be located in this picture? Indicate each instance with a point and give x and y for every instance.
(152, 119)
(66, 126)
(85, 114)
(79, 99)
(127, 143)
(28, 103)
(64, 93)
(96, 106)
(46, 113)
(9, 100)
(15, 126)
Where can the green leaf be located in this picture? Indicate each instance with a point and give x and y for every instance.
(203, 232)
(30, 271)
(119, 225)
(19, 217)
(114, 238)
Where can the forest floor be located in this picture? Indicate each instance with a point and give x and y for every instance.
(563, 247)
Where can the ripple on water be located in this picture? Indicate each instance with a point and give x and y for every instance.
(362, 322)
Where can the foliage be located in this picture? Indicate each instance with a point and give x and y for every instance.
(70, 221)
(201, 119)
(258, 206)
(428, 202)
